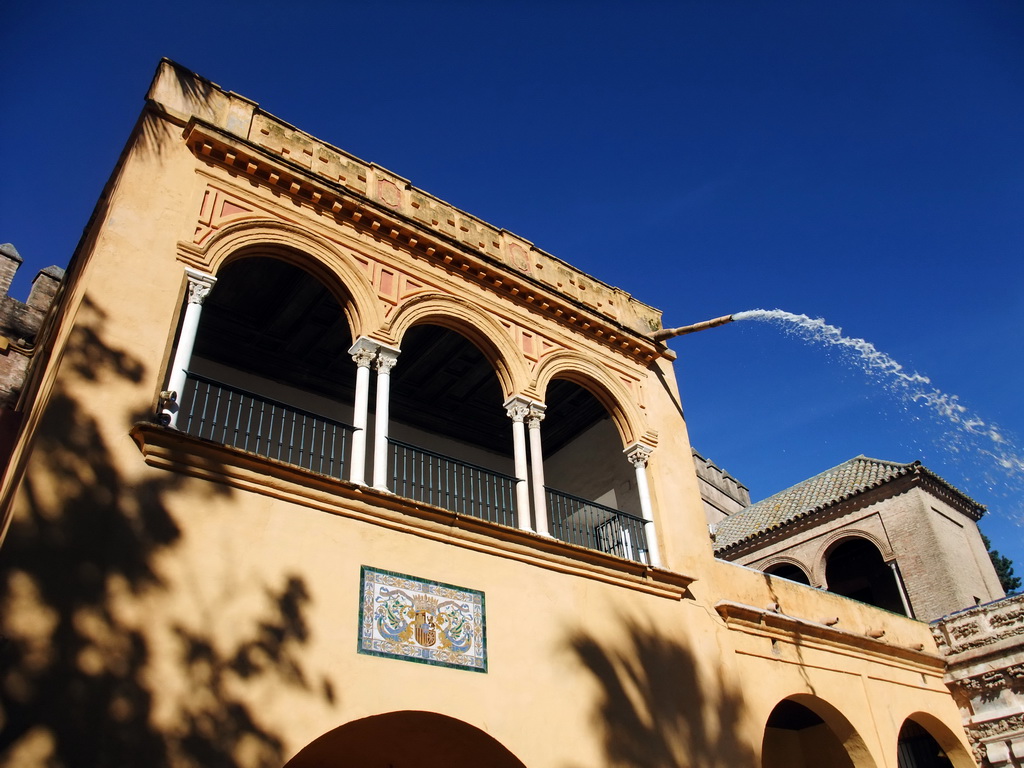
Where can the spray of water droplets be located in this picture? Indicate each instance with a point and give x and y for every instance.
(987, 438)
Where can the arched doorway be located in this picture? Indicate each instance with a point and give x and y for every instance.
(790, 572)
(805, 732)
(855, 568)
(405, 740)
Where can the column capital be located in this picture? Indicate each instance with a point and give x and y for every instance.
(517, 408)
(364, 351)
(535, 414)
(638, 454)
(386, 358)
(199, 285)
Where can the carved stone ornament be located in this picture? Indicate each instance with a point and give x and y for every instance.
(363, 357)
(1007, 619)
(960, 631)
(1016, 672)
(199, 286)
(638, 454)
(517, 410)
(386, 359)
(364, 351)
(389, 193)
(535, 415)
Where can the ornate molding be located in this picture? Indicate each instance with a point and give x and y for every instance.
(570, 299)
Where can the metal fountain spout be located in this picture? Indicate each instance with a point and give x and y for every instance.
(669, 333)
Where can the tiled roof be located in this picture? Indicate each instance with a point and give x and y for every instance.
(830, 487)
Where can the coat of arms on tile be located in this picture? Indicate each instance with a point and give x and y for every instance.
(415, 619)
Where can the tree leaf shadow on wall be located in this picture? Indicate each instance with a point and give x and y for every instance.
(76, 571)
(655, 709)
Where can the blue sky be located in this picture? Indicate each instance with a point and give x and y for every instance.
(855, 161)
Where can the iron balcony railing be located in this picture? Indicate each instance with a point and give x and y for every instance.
(234, 417)
(268, 428)
(595, 526)
(460, 487)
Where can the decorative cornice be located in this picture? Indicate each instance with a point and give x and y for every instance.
(242, 158)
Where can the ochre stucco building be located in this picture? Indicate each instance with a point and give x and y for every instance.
(317, 470)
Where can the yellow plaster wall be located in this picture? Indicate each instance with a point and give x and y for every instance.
(243, 590)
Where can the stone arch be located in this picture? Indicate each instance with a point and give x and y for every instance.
(855, 573)
(782, 561)
(805, 731)
(832, 540)
(424, 739)
(613, 396)
(837, 537)
(319, 257)
(941, 735)
(468, 320)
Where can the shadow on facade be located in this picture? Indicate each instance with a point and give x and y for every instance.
(656, 709)
(78, 581)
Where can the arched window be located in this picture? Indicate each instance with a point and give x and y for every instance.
(855, 568)
(789, 571)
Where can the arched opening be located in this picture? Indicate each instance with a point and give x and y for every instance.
(855, 568)
(450, 438)
(918, 749)
(591, 491)
(790, 572)
(405, 740)
(804, 732)
(926, 742)
(270, 372)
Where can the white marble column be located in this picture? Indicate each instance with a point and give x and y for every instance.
(199, 286)
(638, 454)
(363, 353)
(517, 409)
(534, 417)
(386, 359)
(901, 587)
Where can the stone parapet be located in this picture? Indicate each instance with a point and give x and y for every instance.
(184, 95)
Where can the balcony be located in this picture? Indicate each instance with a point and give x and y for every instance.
(231, 416)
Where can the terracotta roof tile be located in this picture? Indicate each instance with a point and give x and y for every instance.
(831, 486)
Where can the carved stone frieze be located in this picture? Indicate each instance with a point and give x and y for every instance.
(1007, 618)
(961, 631)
